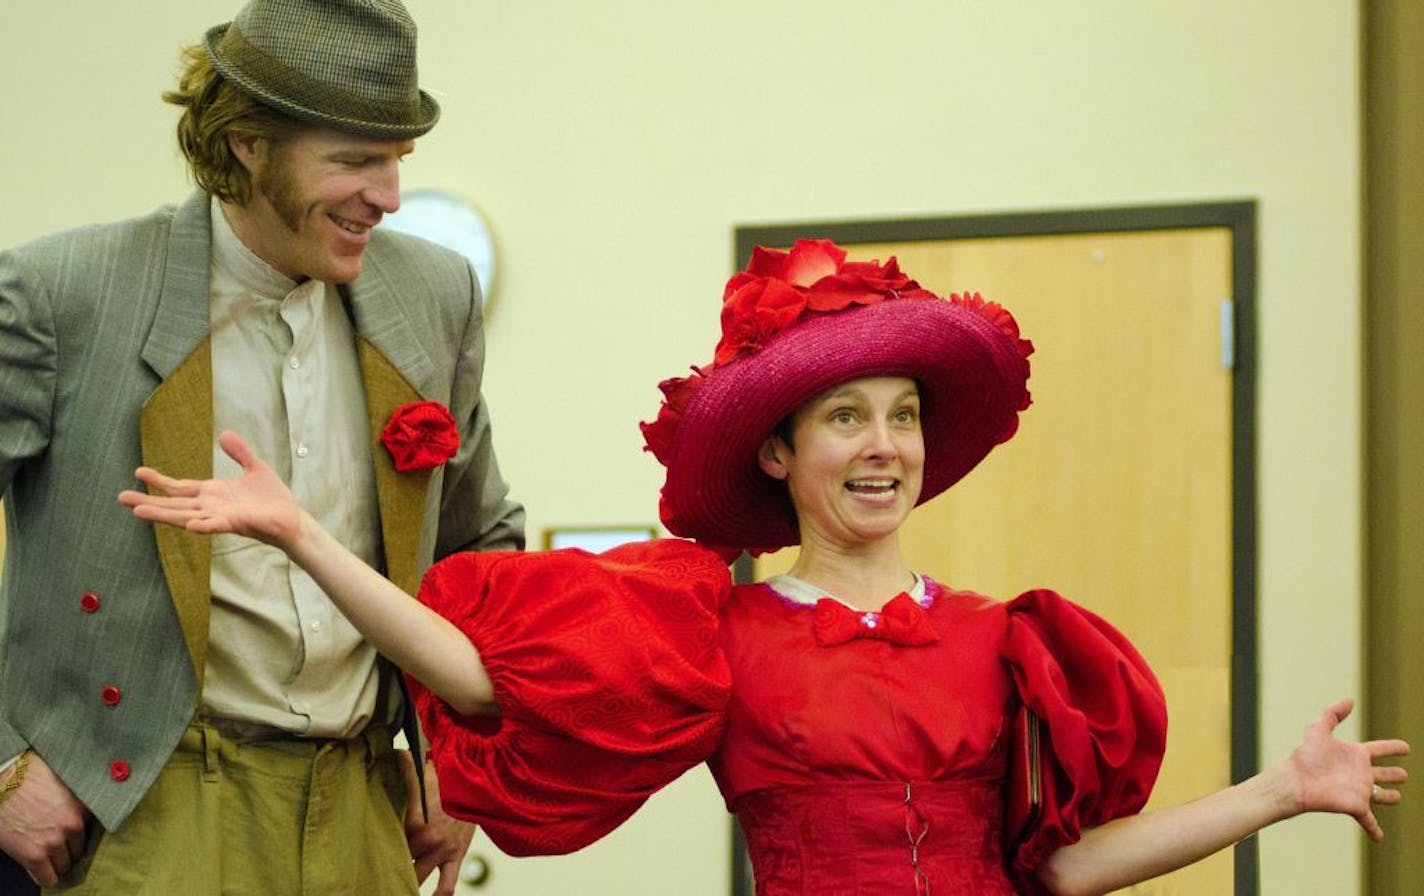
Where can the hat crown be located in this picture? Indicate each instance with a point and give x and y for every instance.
(349, 64)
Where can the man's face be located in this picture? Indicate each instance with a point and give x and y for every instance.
(315, 198)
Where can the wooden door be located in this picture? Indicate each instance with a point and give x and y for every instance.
(1117, 489)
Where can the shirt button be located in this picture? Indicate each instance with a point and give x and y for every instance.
(294, 363)
(89, 602)
(316, 625)
(111, 695)
(119, 770)
(302, 451)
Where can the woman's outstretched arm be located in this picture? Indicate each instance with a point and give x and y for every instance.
(1323, 774)
(257, 504)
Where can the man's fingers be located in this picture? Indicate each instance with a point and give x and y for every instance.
(75, 842)
(43, 872)
(449, 878)
(423, 866)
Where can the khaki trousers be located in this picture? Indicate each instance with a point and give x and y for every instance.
(261, 818)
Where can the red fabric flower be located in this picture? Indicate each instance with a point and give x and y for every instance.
(658, 434)
(778, 287)
(758, 310)
(421, 436)
(998, 315)
(864, 283)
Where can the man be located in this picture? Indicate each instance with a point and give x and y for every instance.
(185, 715)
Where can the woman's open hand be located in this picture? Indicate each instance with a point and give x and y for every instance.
(1335, 775)
(255, 503)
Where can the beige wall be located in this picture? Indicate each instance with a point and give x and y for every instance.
(614, 146)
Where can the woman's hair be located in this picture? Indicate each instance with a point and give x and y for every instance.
(784, 429)
(213, 107)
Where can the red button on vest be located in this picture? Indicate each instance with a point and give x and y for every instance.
(110, 695)
(89, 601)
(119, 770)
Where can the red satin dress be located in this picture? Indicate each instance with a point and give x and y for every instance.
(863, 753)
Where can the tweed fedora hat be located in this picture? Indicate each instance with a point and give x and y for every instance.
(345, 64)
(797, 323)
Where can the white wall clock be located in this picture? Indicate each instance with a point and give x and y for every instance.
(449, 221)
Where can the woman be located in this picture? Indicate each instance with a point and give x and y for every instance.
(873, 730)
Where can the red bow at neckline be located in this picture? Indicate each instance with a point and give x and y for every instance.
(901, 621)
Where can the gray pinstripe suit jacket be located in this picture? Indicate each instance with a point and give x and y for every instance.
(104, 364)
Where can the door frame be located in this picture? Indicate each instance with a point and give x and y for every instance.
(1239, 218)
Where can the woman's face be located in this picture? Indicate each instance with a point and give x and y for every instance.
(856, 460)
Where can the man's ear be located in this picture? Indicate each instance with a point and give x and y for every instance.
(771, 457)
(249, 149)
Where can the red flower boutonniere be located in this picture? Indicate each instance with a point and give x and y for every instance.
(421, 436)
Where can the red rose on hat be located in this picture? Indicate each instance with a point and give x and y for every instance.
(778, 288)
(754, 313)
(421, 436)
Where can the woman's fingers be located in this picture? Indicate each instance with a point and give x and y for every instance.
(1371, 826)
(157, 512)
(1336, 713)
(166, 484)
(235, 447)
(1392, 747)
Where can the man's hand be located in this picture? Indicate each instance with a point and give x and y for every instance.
(440, 842)
(42, 823)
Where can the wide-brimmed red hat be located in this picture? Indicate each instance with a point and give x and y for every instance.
(797, 323)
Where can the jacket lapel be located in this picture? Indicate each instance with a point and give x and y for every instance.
(400, 496)
(394, 367)
(176, 435)
(176, 423)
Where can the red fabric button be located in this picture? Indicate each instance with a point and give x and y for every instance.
(89, 601)
(119, 770)
(111, 695)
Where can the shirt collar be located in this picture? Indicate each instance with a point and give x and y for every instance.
(234, 261)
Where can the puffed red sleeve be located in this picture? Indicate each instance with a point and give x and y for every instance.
(1104, 719)
(609, 679)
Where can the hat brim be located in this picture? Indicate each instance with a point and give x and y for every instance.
(407, 125)
(972, 383)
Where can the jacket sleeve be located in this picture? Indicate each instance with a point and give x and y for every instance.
(27, 367)
(27, 382)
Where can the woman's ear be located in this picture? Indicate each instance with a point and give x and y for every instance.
(770, 457)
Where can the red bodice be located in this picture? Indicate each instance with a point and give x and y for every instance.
(864, 839)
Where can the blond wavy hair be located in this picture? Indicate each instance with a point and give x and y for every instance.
(212, 108)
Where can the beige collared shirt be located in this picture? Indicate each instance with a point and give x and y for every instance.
(286, 378)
